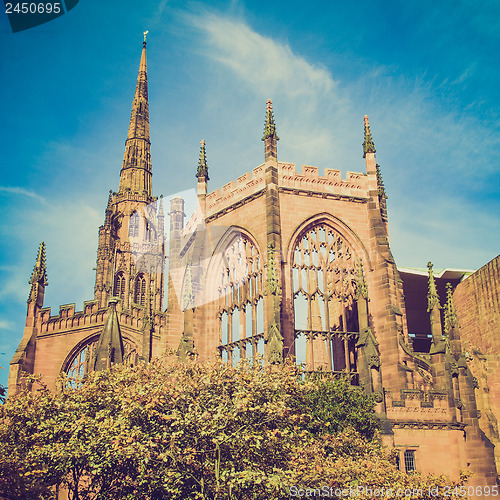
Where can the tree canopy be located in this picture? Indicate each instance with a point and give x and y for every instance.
(166, 430)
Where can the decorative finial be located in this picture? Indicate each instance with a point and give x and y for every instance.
(269, 127)
(202, 172)
(368, 145)
(39, 275)
(145, 33)
(450, 315)
(381, 193)
(361, 287)
(432, 295)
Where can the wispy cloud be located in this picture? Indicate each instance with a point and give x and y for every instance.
(444, 155)
(23, 192)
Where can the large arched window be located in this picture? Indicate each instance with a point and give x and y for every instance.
(140, 290)
(240, 298)
(133, 227)
(324, 285)
(119, 288)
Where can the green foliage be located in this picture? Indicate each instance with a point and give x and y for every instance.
(190, 431)
(335, 405)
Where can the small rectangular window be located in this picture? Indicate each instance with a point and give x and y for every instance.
(409, 460)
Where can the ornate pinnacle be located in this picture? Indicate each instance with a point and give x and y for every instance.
(368, 145)
(432, 295)
(361, 287)
(39, 275)
(269, 127)
(145, 33)
(202, 164)
(272, 276)
(450, 316)
(381, 193)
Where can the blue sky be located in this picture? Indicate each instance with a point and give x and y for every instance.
(426, 73)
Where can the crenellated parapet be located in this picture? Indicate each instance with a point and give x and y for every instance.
(416, 406)
(92, 316)
(307, 182)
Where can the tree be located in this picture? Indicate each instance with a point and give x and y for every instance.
(190, 431)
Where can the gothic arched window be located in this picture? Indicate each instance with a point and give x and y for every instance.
(324, 285)
(79, 364)
(241, 311)
(119, 289)
(133, 227)
(140, 290)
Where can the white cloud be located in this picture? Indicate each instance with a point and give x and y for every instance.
(430, 154)
(22, 191)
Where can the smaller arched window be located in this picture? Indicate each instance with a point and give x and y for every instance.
(119, 290)
(133, 227)
(140, 290)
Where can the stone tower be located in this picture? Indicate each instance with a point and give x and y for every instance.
(125, 320)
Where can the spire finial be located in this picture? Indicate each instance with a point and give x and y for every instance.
(368, 145)
(450, 315)
(38, 280)
(270, 136)
(432, 295)
(202, 172)
(145, 33)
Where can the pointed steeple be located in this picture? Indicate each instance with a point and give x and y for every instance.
(109, 349)
(450, 315)
(38, 280)
(368, 145)
(202, 172)
(270, 136)
(135, 175)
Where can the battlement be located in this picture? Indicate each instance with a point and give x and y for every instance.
(91, 316)
(419, 406)
(233, 192)
(354, 186)
(355, 183)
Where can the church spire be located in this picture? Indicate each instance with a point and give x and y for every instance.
(38, 280)
(270, 137)
(202, 172)
(368, 145)
(135, 175)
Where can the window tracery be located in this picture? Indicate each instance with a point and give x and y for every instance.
(79, 365)
(140, 290)
(324, 286)
(241, 310)
(133, 227)
(119, 288)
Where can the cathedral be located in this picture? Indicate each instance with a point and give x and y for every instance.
(279, 264)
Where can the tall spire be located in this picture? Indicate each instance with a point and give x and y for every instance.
(368, 145)
(270, 136)
(135, 175)
(38, 280)
(202, 172)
